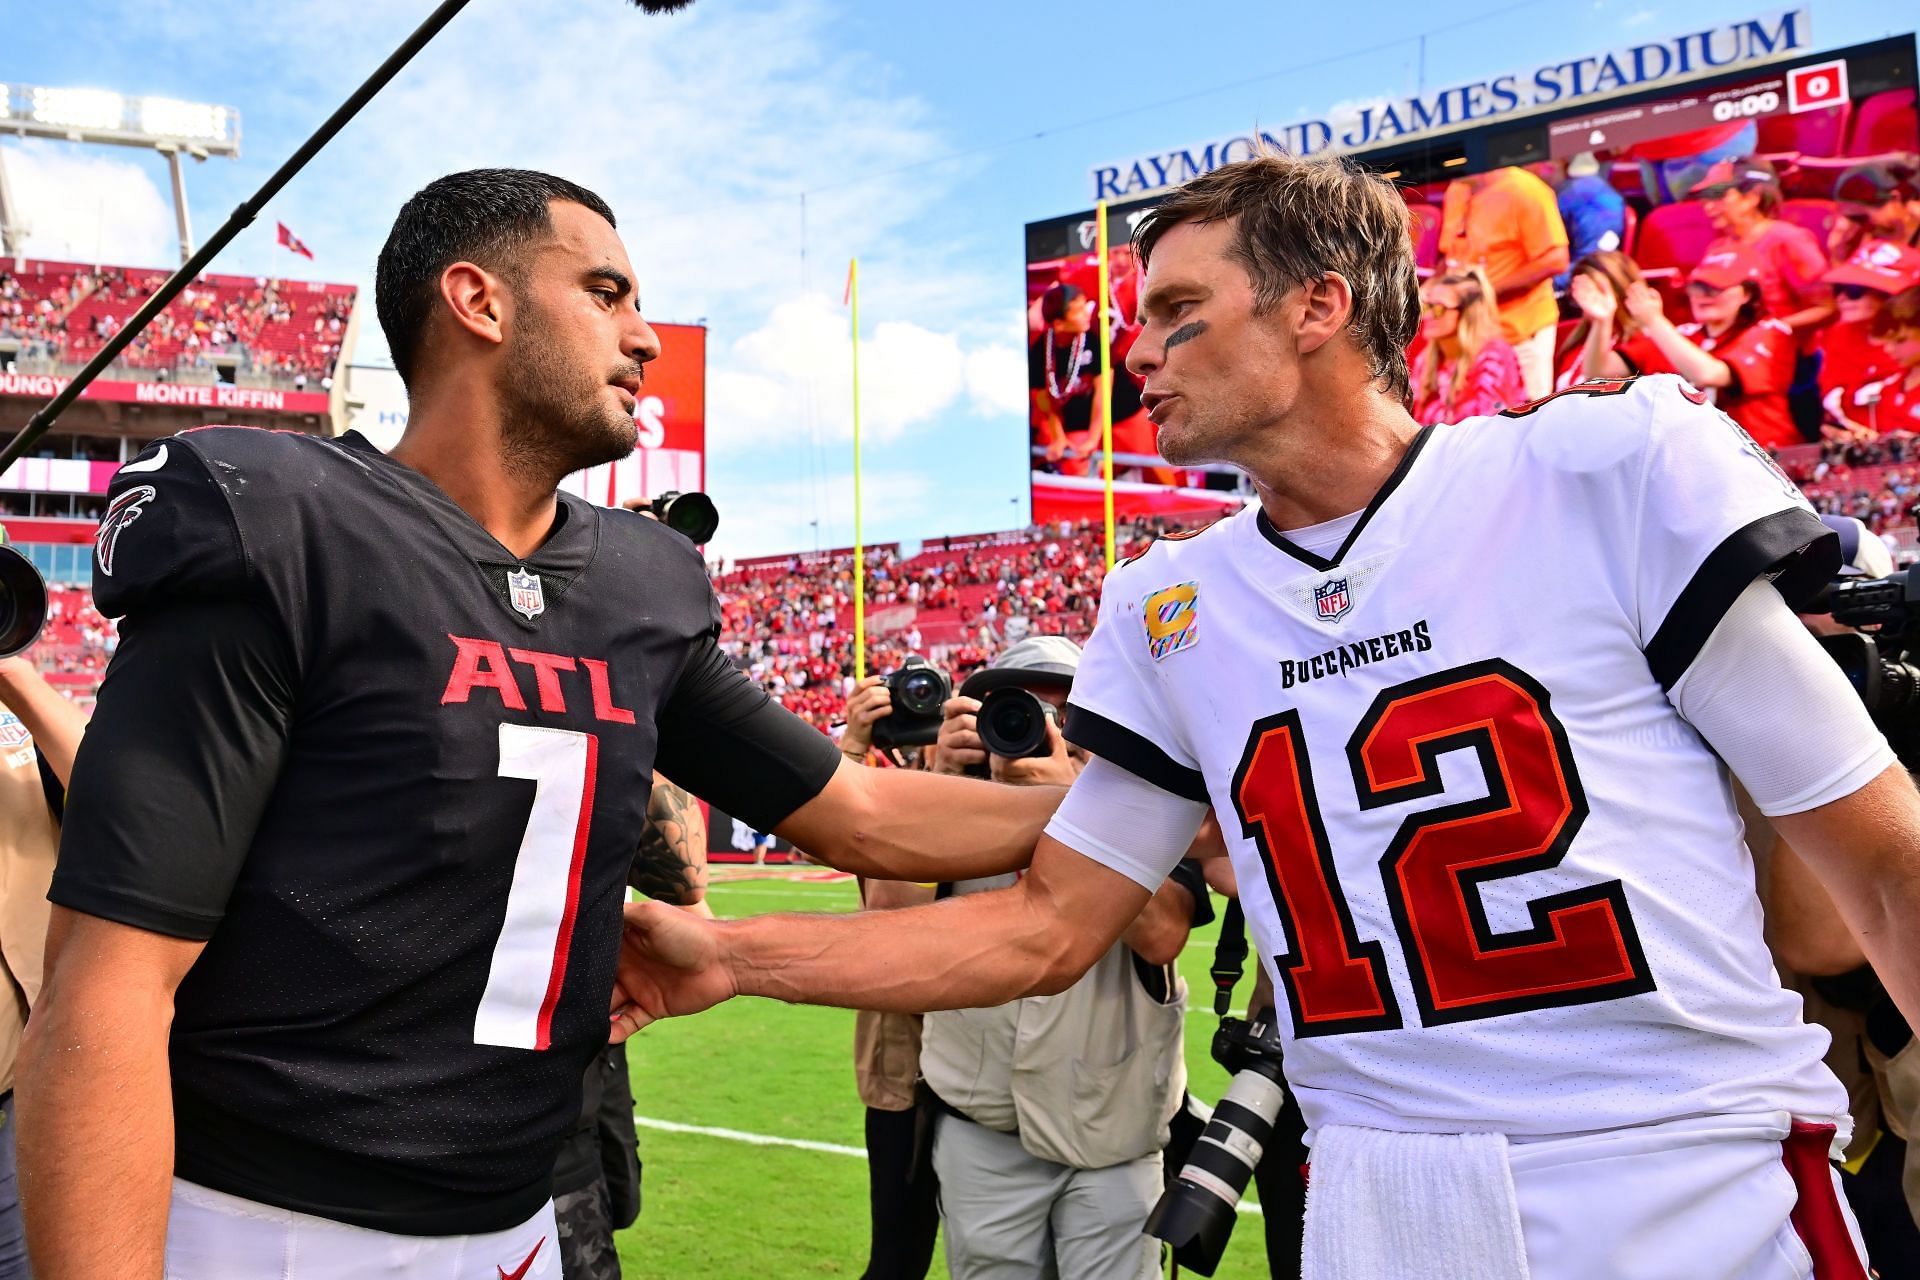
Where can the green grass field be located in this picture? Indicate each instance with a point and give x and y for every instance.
(723, 1207)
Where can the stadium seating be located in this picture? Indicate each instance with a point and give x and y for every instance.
(291, 329)
(1815, 215)
(1426, 236)
(1672, 238)
(1821, 132)
(790, 624)
(1885, 123)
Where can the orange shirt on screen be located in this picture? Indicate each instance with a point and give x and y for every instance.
(1507, 223)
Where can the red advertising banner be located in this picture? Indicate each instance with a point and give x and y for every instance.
(44, 386)
(672, 421)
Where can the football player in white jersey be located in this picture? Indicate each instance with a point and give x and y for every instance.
(1466, 699)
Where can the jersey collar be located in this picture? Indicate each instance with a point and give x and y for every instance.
(559, 561)
(566, 551)
(1321, 563)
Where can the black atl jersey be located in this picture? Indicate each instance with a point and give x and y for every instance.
(394, 776)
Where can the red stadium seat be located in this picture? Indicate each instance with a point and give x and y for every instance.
(1673, 237)
(1821, 132)
(303, 341)
(1815, 215)
(1629, 228)
(1886, 122)
(1426, 235)
(1628, 179)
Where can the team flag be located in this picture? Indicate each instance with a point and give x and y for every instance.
(292, 242)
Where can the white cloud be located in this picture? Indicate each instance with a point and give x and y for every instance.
(701, 130)
(997, 381)
(796, 371)
(1639, 18)
(82, 206)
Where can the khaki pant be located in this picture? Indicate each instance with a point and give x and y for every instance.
(1010, 1215)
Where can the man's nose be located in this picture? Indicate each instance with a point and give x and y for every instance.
(1144, 357)
(640, 342)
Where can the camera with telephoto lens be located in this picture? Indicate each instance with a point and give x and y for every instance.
(919, 691)
(1196, 1213)
(690, 514)
(1881, 666)
(23, 601)
(1012, 723)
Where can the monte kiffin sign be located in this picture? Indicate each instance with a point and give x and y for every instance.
(41, 386)
(1559, 85)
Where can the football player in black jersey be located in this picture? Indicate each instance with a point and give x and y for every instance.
(339, 901)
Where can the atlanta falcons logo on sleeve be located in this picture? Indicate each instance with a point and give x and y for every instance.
(123, 511)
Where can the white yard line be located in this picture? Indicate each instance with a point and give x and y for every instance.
(756, 1139)
(803, 1144)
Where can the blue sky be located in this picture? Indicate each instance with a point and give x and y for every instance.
(923, 136)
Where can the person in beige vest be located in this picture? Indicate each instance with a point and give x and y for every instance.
(39, 731)
(902, 1194)
(1874, 1052)
(1054, 1109)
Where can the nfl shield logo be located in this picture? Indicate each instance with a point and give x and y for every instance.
(523, 592)
(1331, 601)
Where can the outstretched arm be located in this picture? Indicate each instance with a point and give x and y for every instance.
(901, 824)
(1865, 848)
(978, 950)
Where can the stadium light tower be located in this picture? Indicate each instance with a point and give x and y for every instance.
(166, 125)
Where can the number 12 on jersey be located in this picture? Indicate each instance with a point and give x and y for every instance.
(530, 958)
(1580, 946)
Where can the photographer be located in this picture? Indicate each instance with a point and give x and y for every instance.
(1280, 1173)
(1054, 1110)
(1873, 1052)
(903, 1196)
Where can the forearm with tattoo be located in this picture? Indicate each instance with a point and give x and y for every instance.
(671, 863)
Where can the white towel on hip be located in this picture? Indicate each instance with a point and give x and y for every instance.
(1410, 1206)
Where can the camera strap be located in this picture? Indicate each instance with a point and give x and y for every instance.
(1229, 957)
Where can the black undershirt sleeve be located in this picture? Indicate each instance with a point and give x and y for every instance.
(725, 740)
(176, 768)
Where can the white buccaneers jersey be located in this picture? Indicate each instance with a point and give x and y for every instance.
(1498, 880)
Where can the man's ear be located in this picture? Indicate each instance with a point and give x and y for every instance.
(1326, 308)
(477, 300)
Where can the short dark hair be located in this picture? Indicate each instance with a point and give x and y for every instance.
(1297, 219)
(481, 215)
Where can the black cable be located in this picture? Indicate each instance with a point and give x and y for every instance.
(242, 218)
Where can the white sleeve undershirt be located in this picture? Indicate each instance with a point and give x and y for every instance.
(1778, 710)
(1122, 821)
(1762, 692)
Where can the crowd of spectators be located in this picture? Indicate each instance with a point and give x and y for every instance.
(66, 313)
(1801, 327)
(789, 624)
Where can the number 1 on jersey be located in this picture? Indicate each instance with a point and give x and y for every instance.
(530, 958)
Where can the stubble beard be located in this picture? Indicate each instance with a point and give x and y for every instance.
(556, 420)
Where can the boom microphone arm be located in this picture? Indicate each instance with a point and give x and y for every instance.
(243, 217)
